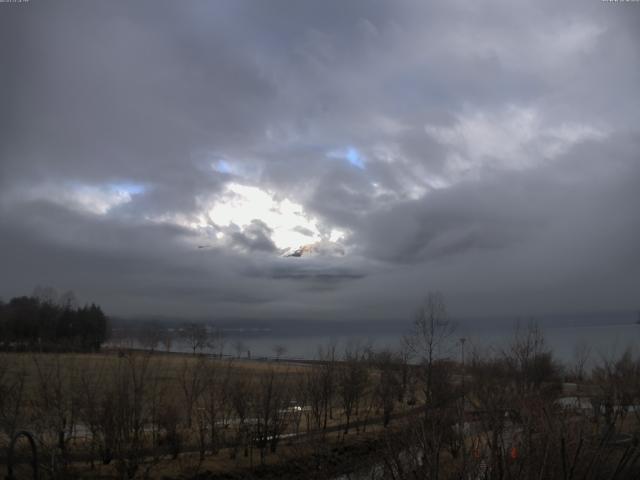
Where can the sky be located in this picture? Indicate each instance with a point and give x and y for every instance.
(167, 158)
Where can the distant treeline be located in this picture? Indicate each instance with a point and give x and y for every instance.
(40, 322)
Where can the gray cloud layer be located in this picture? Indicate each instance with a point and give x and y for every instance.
(488, 151)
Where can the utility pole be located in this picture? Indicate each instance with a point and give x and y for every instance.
(462, 340)
(462, 408)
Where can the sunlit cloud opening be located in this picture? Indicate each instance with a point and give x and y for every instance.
(290, 225)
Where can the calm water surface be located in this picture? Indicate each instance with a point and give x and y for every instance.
(605, 336)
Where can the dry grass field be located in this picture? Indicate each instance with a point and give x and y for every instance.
(138, 414)
(119, 413)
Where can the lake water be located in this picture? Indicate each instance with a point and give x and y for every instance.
(602, 341)
(605, 335)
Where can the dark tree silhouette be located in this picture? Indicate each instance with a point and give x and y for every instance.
(40, 323)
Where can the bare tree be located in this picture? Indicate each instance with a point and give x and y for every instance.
(279, 350)
(215, 403)
(404, 385)
(389, 382)
(46, 294)
(581, 356)
(55, 404)
(353, 379)
(196, 336)
(534, 380)
(149, 335)
(13, 411)
(90, 392)
(239, 347)
(166, 338)
(192, 379)
(240, 393)
(270, 409)
(619, 381)
(327, 379)
(68, 300)
(430, 343)
(158, 391)
(215, 341)
(314, 394)
(430, 339)
(494, 396)
(125, 412)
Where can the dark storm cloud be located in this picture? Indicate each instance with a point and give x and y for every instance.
(489, 151)
(110, 91)
(255, 237)
(322, 270)
(514, 208)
